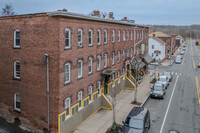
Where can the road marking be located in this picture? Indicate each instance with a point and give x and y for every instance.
(161, 130)
(193, 62)
(198, 89)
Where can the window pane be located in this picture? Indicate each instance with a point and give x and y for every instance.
(17, 42)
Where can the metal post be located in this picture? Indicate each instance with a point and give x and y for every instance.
(47, 61)
(135, 97)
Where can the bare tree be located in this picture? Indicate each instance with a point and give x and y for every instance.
(8, 10)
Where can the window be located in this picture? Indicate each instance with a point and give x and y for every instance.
(105, 36)
(17, 70)
(118, 73)
(140, 35)
(124, 38)
(90, 92)
(152, 46)
(80, 97)
(67, 73)
(90, 65)
(98, 86)
(127, 52)
(118, 56)
(17, 39)
(67, 38)
(137, 35)
(105, 60)
(131, 52)
(80, 68)
(113, 58)
(113, 77)
(127, 35)
(98, 37)
(123, 54)
(134, 35)
(113, 36)
(152, 55)
(118, 35)
(67, 105)
(17, 101)
(131, 35)
(98, 62)
(80, 38)
(90, 37)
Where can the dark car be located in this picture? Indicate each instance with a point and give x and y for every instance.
(137, 121)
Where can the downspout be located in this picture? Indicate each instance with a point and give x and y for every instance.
(46, 56)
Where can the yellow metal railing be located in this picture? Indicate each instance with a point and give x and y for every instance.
(74, 109)
(85, 101)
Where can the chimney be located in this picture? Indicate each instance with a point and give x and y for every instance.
(125, 19)
(111, 15)
(154, 35)
(96, 13)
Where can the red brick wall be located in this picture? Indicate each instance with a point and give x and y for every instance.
(38, 35)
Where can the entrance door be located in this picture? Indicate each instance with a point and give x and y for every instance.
(106, 79)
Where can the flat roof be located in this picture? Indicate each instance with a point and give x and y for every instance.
(96, 18)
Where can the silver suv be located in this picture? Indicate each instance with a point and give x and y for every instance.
(158, 90)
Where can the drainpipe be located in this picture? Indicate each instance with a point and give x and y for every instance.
(46, 58)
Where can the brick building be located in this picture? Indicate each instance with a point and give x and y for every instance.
(78, 49)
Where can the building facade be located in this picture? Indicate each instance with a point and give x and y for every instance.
(156, 48)
(64, 53)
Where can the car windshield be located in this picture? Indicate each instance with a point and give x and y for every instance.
(134, 123)
(157, 88)
(178, 59)
(167, 73)
(162, 79)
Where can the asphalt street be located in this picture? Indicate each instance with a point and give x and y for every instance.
(180, 108)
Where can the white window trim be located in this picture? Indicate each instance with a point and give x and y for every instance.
(113, 77)
(81, 41)
(80, 93)
(69, 73)
(105, 36)
(15, 75)
(69, 104)
(113, 36)
(98, 86)
(105, 60)
(99, 37)
(118, 73)
(68, 30)
(90, 64)
(90, 30)
(113, 58)
(118, 35)
(15, 100)
(118, 55)
(99, 65)
(15, 46)
(81, 75)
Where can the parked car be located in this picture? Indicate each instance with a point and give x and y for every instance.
(182, 53)
(178, 60)
(158, 90)
(164, 80)
(169, 75)
(180, 56)
(184, 48)
(198, 65)
(137, 121)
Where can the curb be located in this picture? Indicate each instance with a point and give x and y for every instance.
(145, 101)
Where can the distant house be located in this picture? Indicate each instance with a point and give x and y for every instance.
(157, 48)
(179, 40)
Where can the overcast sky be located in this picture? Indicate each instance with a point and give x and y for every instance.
(162, 12)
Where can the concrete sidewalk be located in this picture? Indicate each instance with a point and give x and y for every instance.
(103, 119)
